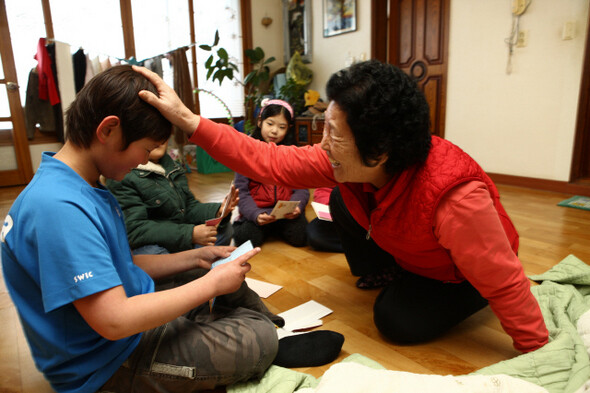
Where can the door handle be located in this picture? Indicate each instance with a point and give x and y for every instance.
(418, 70)
(11, 86)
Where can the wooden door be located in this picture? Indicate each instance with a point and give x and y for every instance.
(414, 35)
(580, 172)
(16, 159)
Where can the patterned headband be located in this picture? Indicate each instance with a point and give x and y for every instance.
(282, 103)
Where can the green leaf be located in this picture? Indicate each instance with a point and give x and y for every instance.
(249, 77)
(210, 72)
(250, 53)
(222, 53)
(218, 76)
(205, 47)
(269, 60)
(216, 38)
(259, 53)
(208, 62)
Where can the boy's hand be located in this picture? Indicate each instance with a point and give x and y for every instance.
(228, 277)
(204, 235)
(168, 103)
(209, 254)
(293, 215)
(264, 219)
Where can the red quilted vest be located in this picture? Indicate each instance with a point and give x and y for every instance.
(403, 219)
(267, 195)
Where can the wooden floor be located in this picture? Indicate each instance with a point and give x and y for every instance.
(548, 233)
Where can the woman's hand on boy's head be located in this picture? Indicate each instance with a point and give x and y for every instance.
(168, 103)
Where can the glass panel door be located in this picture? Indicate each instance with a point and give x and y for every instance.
(15, 159)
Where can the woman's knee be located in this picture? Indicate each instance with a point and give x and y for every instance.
(400, 323)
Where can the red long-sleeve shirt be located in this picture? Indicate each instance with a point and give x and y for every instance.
(465, 223)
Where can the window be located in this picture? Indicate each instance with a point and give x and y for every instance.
(161, 26)
(223, 16)
(26, 27)
(94, 26)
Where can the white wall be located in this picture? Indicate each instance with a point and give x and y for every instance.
(521, 124)
(270, 38)
(328, 54)
(331, 53)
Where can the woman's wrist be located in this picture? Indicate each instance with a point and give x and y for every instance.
(189, 122)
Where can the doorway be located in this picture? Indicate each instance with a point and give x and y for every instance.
(14, 149)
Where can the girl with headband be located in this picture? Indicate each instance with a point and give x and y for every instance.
(257, 200)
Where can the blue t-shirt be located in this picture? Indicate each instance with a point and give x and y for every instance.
(64, 240)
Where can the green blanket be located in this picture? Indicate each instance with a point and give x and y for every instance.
(561, 366)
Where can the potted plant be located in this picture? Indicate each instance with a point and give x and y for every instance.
(219, 67)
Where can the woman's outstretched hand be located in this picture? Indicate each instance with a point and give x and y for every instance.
(168, 103)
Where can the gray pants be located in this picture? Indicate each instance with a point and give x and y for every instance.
(201, 349)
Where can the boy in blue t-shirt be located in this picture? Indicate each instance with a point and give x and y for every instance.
(92, 314)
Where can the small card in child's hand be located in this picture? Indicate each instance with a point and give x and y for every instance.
(282, 208)
(238, 252)
(215, 221)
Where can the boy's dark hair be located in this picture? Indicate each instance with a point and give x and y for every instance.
(386, 112)
(273, 110)
(114, 92)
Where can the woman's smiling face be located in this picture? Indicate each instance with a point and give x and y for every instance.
(339, 143)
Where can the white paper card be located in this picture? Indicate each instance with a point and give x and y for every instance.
(214, 222)
(322, 211)
(238, 252)
(263, 289)
(283, 208)
(304, 316)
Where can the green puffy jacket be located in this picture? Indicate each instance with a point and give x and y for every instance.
(160, 208)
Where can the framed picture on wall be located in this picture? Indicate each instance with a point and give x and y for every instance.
(339, 17)
(297, 26)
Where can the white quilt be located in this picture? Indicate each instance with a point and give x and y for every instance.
(353, 377)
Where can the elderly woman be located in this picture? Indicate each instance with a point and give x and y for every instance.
(415, 213)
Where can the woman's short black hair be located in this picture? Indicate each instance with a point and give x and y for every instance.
(386, 112)
(273, 110)
(114, 92)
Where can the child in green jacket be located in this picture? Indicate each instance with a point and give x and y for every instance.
(161, 213)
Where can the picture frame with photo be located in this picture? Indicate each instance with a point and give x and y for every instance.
(339, 17)
(297, 27)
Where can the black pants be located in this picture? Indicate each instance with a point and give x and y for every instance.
(291, 231)
(412, 308)
(322, 236)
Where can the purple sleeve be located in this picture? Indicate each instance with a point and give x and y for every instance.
(247, 206)
(303, 196)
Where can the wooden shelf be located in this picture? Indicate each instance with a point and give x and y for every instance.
(309, 130)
